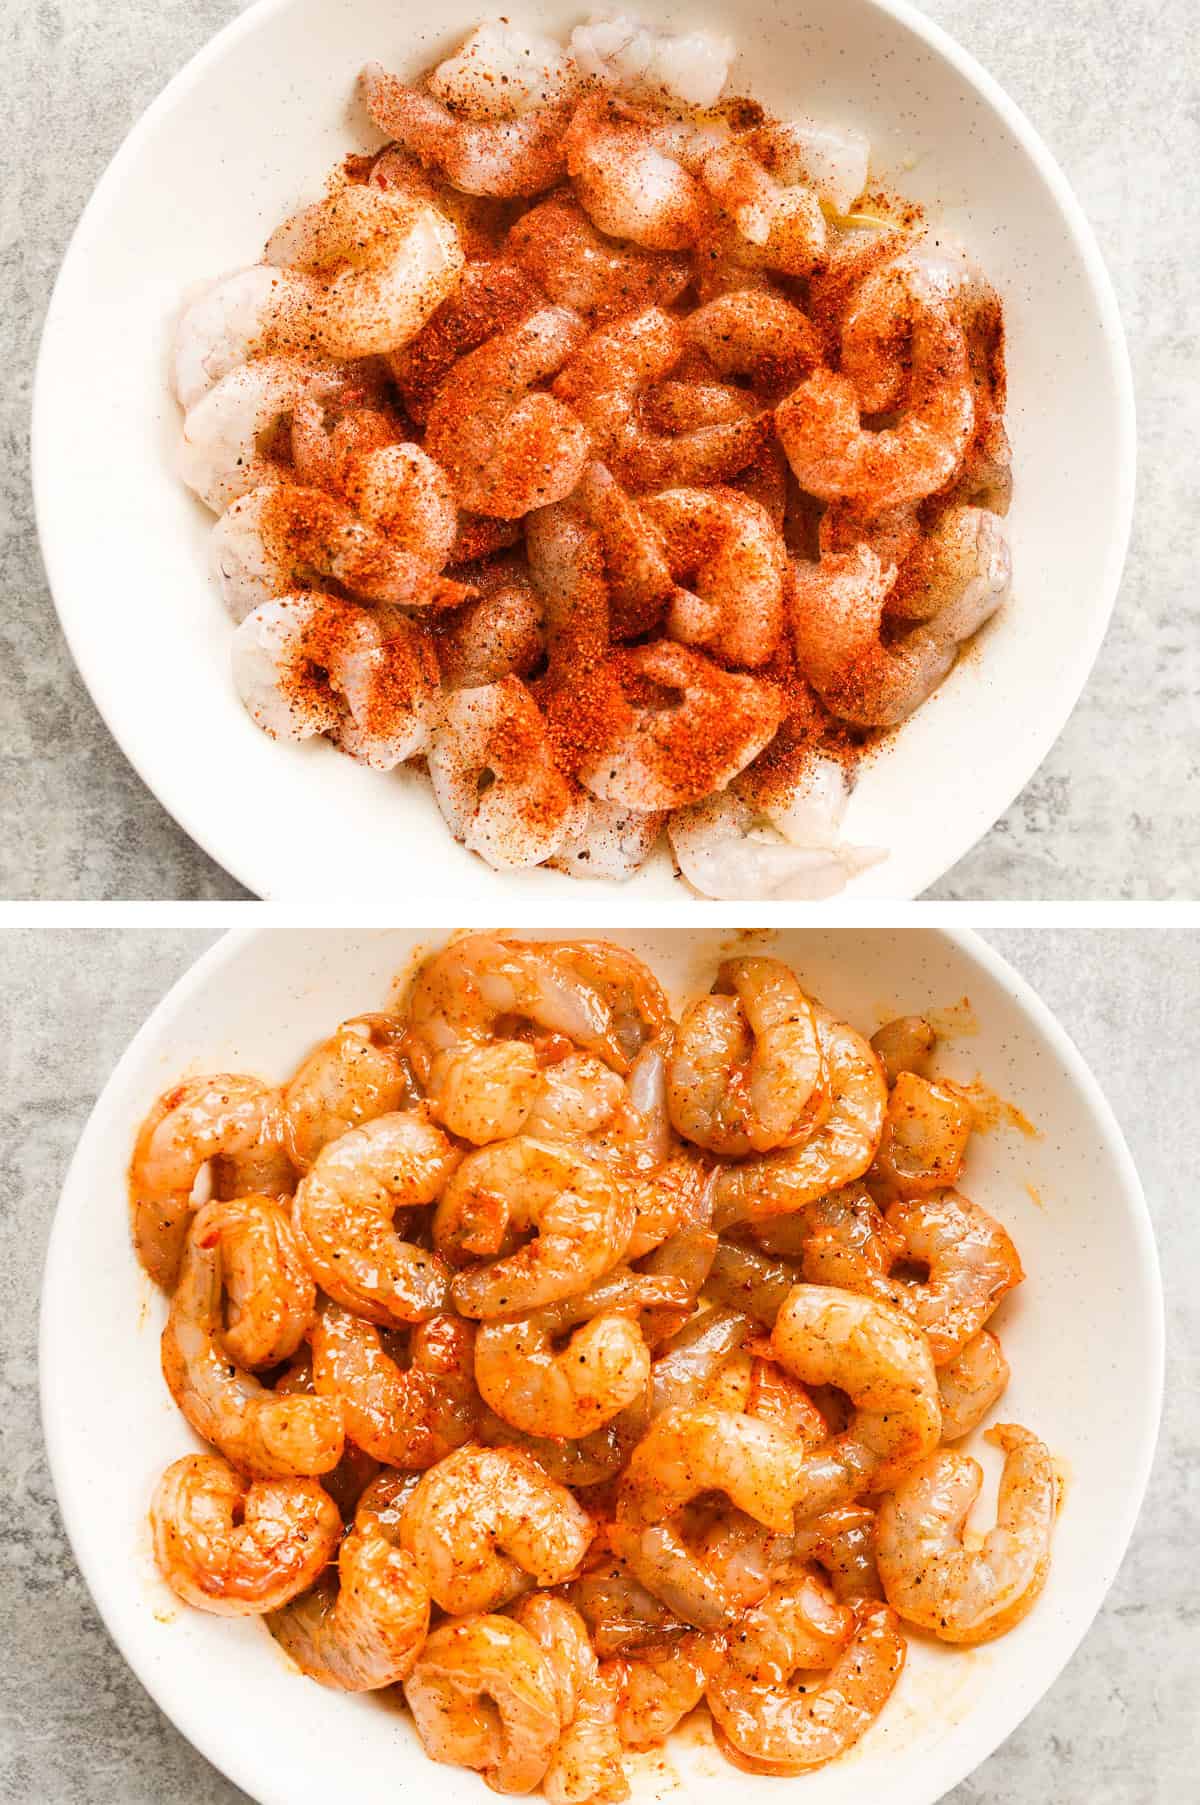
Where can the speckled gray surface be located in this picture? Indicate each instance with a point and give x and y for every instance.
(1114, 811)
(1121, 1726)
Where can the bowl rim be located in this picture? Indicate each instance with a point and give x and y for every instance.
(241, 860)
(107, 1581)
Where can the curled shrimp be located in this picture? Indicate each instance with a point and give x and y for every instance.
(838, 1152)
(503, 158)
(904, 1044)
(970, 1384)
(227, 1125)
(931, 1579)
(228, 433)
(357, 1074)
(585, 1768)
(407, 1418)
(874, 1354)
(763, 336)
(617, 51)
(496, 779)
(726, 846)
(264, 1435)
(832, 159)
(500, 71)
(236, 1547)
(796, 1624)
(582, 1221)
(365, 1628)
(485, 1523)
(482, 1695)
(746, 1068)
(620, 1614)
(842, 1541)
(499, 634)
(232, 321)
(971, 1262)
(270, 1298)
(626, 179)
(925, 1133)
(725, 546)
(492, 297)
(768, 223)
(609, 841)
(557, 245)
(659, 1685)
(343, 1216)
(506, 446)
(771, 1727)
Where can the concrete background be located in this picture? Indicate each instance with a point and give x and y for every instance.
(1120, 1727)
(1114, 811)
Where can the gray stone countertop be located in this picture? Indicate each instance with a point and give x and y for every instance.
(1113, 812)
(1120, 1727)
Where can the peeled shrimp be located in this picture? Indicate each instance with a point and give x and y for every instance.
(763, 336)
(830, 158)
(357, 1074)
(841, 1149)
(506, 446)
(496, 778)
(364, 1629)
(773, 224)
(309, 664)
(237, 1547)
(505, 158)
(582, 1219)
(577, 267)
(263, 1435)
(725, 546)
(229, 323)
(483, 1695)
(500, 71)
(972, 1264)
(779, 1728)
(797, 1623)
(925, 1133)
(626, 181)
(746, 1070)
(501, 634)
(904, 1044)
(970, 1384)
(659, 1685)
(931, 1579)
(485, 1523)
(620, 52)
(270, 1299)
(226, 433)
(609, 841)
(343, 1217)
(405, 1418)
(727, 848)
(229, 1119)
(585, 1768)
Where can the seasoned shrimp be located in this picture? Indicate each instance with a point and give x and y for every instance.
(500, 634)
(750, 1282)
(839, 1152)
(726, 847)
(585, 1768)
(557, 245)
(842, 1541)
(266, 1436)
(311, 664)
(905, 1044)
(500, 71)
(609, 841)
(925, 1133)
(195, 1132)
(620, 1614)
(270, 1298)
(229, 323)
(496, 778)
(957, 572)
(627, 181)
(482, 1695)
(491, 298)
(619, 52)
(797, 1623)
(506, 446)
(380, 262)
(830, 158)
(725, 546)
(485, 1523)
(225, 450)
(972, 1264)
(577, 1097)
(343, 1216)
(685, 1366)
(763, 336)
(582, 1220)
(660, 1684)
(364, 1629)
(632, 1005)
(874, 1354)
(357, 1074)
(772, 224)
(746, 1069)
(405, 1418)
(504, 158)
(970, 1384)
(931, 1579)
(842, 1240)
(778, 1728)
(236, 1547)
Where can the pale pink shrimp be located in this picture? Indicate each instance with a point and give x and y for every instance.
(557, 245)
(357, 1074)
(797, 1623)
(724, 546)
(955, 573)
(506, 446)
(763, 336)
(405, 1417)
(773, 225)
(658, 1685)
(636, 574)
(230, 434)
(270, 1298)
(972, 1264)
(626, 181)
(239, 1547)
(585, 1768)
(609, 842)
(970, 1384)
(833, 159)
(480, 220)
(501, 71)
(925, 1133)
(505, 158)
(234, 319)
(483, 1695)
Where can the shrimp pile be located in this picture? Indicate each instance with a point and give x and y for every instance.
(567, 1364)
(618, 454)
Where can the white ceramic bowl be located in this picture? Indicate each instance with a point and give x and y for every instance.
(1084, 1335)
(253, 124)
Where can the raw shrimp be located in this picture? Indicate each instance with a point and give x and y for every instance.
(925, 1133)
(405, 1418)
(501, 634)
(830, 158)
(931, 1579)
(632, 1005)
(834, 456)
(843, 1240)
(266, 1436)
(229, 323)
(227, 434)
(953, 572)
(772, 224)
(236, 1547)
(482, 1695)
(885, 310)
(777, 1398)
(626, 180)
(270, 1298)
(506, 446)
(779, 1728)
(364, 1629)
(842, 1541)
(357, 1074)
(726, 848)
(557, 245)
(620, 1614)
(582, 1220)
(660, 1684)
(343, 1217)
(504, 158)
(637, 579)
(746, 1071)
(874, 1354)
(230, 1120)
(763, 336)
(679, 727)
(609, 841)
(841, 1149)
(500, 71)
(972, 1264)
(485, 1523)
(970, 1384)
(585, 1768)
(491, 298)
(750, 1282)
(379, 261)
(685, 1366)
(905, 1044)
(496, 778)
(577, 1096)
(311, 664)
(620, 52)
(797, 1624)
(725, 546)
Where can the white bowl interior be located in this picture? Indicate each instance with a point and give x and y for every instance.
(253, 125)
(1083, 1333)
